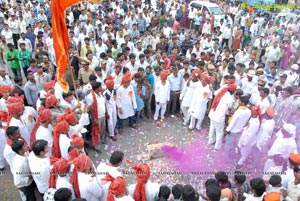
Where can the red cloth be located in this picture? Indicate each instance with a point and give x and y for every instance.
(76, 140)
(5, 89)
(126, 78)
(3, 116)
(207, 79)
(231, 87)
(15, 104)
(50, 101)
(196, 74)
(95, 127)
(62, 127)
(117, 186)
(73, 154)
(82, 163)
(70, 116)
(218, 98)
(49, 85)
(164, 74)
(60, 166)
(60, 37)
(142, 175)
(44, 114)
(109, 81)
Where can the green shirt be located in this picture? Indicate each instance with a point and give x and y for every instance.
(24, 58)
(14, 64)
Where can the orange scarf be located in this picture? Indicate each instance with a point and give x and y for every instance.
(218, 98)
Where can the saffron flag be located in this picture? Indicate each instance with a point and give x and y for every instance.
(95, 1)
(61, 38)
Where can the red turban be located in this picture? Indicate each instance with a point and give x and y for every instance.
(109, 82)
(15, 108)
(15, 99)
(295, 158)
(3, 116)
(117, 186)
(256, 111)
(164, 74)
(142, 175)
(73, 154)
(82, 163)
(231, 87)
(50, 101)
(44, 114)
(196, 74)
(49, 85)
(76, 140)
(207, 79)
(70, 116)
(60, 166)
(62, 127)
(126, 77)
(270, 112)
(274, 196)
(5, 89)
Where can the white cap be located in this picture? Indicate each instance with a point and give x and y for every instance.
(295, 67)
(290, 128)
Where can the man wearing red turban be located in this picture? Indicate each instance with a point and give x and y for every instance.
(248, 137)
(221, 103)
(187, 94)
(264, 134)
(15, 106)
(201, 96)
(117, 188)
(53, 104)
(162, 95)
(59, 177)
(61, 142)
(111, 107)
(42, 129)
(144, 189)
(126, 102)
(49, 86)
(84, 184)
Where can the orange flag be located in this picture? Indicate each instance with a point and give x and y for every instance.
(60, 37)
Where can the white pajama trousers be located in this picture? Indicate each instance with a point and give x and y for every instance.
(111, 124)
(245, 151)
(216, 133)
(162, 107)
(186, 114)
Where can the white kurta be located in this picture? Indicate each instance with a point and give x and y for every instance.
(78, 127)
(3, 105)
(22, 127)
(151, 189)
(21, 165)
(283, 146)
(64, 182)
(264, 134)
(9, 156)
(111, 108)
(187, 93)
(102, 170)
(29, 117)
(88, 187)
(162, 92)
(225, 103)
(40, 168)
(2, 146)
(43, 133)
(199, 101)
(126, 100)
(248, 135)
(64, 144)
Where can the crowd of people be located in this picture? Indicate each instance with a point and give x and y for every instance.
(141, 61)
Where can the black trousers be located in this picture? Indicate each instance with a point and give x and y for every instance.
(29, 191)
(16, 37)
(225, 41)
(173, 105)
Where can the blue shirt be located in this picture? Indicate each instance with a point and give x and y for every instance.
(150, 78)
(139, 101)
(175, 82)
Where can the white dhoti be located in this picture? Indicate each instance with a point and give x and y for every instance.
(111, 123)
(162, 107)
(186, 114)
(216, 133)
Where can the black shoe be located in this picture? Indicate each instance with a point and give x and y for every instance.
(114, 138)
(2, 169)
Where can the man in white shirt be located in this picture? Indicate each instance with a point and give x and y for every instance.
(26, 41)
(7, 33)
(226, 36)
(21, 172)
(206, 27)
(293, 189)
(143, 184)
(236, 125)
(39, 165)
(222, 102)
(110, 168)
(273, 53)
(96, 103)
